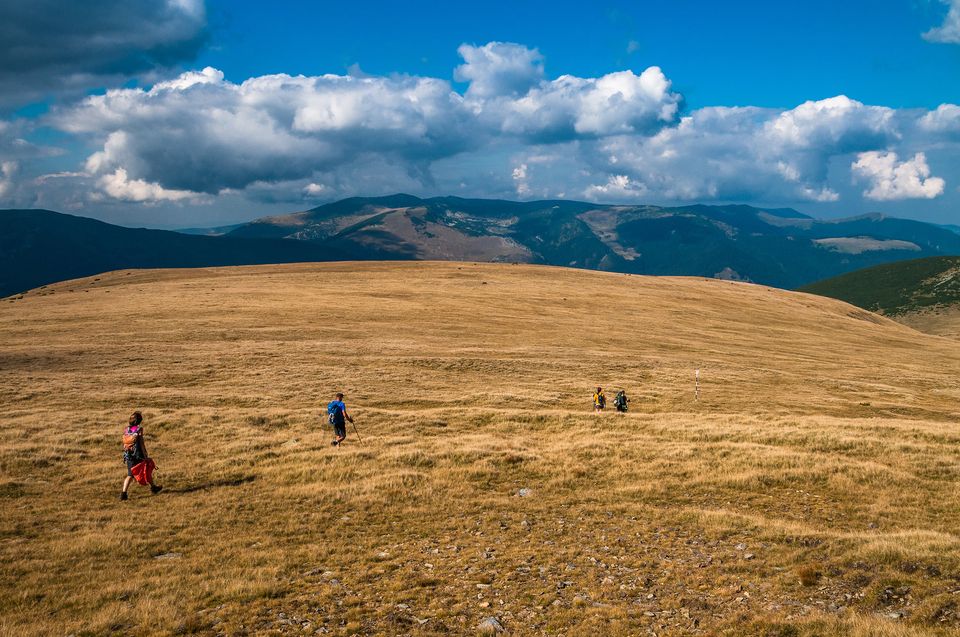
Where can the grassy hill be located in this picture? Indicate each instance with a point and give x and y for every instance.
(810, 491)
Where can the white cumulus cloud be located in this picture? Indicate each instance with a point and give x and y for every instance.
(949, 31)
(7, 170)
(513, 132)
(499, 68)
(944, 120)
(119, 186)
(745, 153)
(889, 179)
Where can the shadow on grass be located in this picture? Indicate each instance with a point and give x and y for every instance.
(214, 484)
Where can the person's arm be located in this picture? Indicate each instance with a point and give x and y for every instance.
(346, 415)
(143, 446)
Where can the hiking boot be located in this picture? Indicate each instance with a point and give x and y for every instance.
(123, 495)
(335, 443)
(154, 489)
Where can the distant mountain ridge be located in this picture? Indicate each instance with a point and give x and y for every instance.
(780, 247)
(775, 246)
(38, 247)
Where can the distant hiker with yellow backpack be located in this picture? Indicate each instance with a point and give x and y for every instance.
(599, 400)
(338, 417)
(139, 464)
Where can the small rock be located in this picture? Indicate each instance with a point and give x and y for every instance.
(168, 556)
(524, 492)
(741, 547)
(490, 626)
(749, 556)
(484, 604)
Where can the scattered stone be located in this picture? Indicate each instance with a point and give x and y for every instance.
(741, 547)
(168, 556)
(490, 626)
(524, 492)
(749, 556)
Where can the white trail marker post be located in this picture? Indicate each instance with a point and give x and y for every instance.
(697, 385)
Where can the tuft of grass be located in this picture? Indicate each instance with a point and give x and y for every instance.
(809, 575)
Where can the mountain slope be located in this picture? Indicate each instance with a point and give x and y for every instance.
(921, 293)
(810, 491)
(38, 247)
(897, 288)
(780, 247)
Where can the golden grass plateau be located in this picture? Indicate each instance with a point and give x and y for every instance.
(811, 491)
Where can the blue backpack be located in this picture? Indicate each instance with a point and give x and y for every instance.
(334, 412)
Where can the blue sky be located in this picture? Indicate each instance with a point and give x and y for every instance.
(719, 53)
(192, 113)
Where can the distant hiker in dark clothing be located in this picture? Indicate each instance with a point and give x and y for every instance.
(139, 464)
(338, 417)
(620, 402)
(599, 400)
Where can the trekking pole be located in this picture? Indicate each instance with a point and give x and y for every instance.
(356, 431)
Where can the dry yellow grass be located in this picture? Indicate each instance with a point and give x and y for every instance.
(811, 491)
(941, 321)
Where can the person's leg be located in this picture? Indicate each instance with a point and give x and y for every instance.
(126, 485)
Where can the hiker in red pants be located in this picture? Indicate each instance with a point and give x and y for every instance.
(139, 464)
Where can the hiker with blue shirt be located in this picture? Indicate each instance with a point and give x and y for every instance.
(338, 416)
